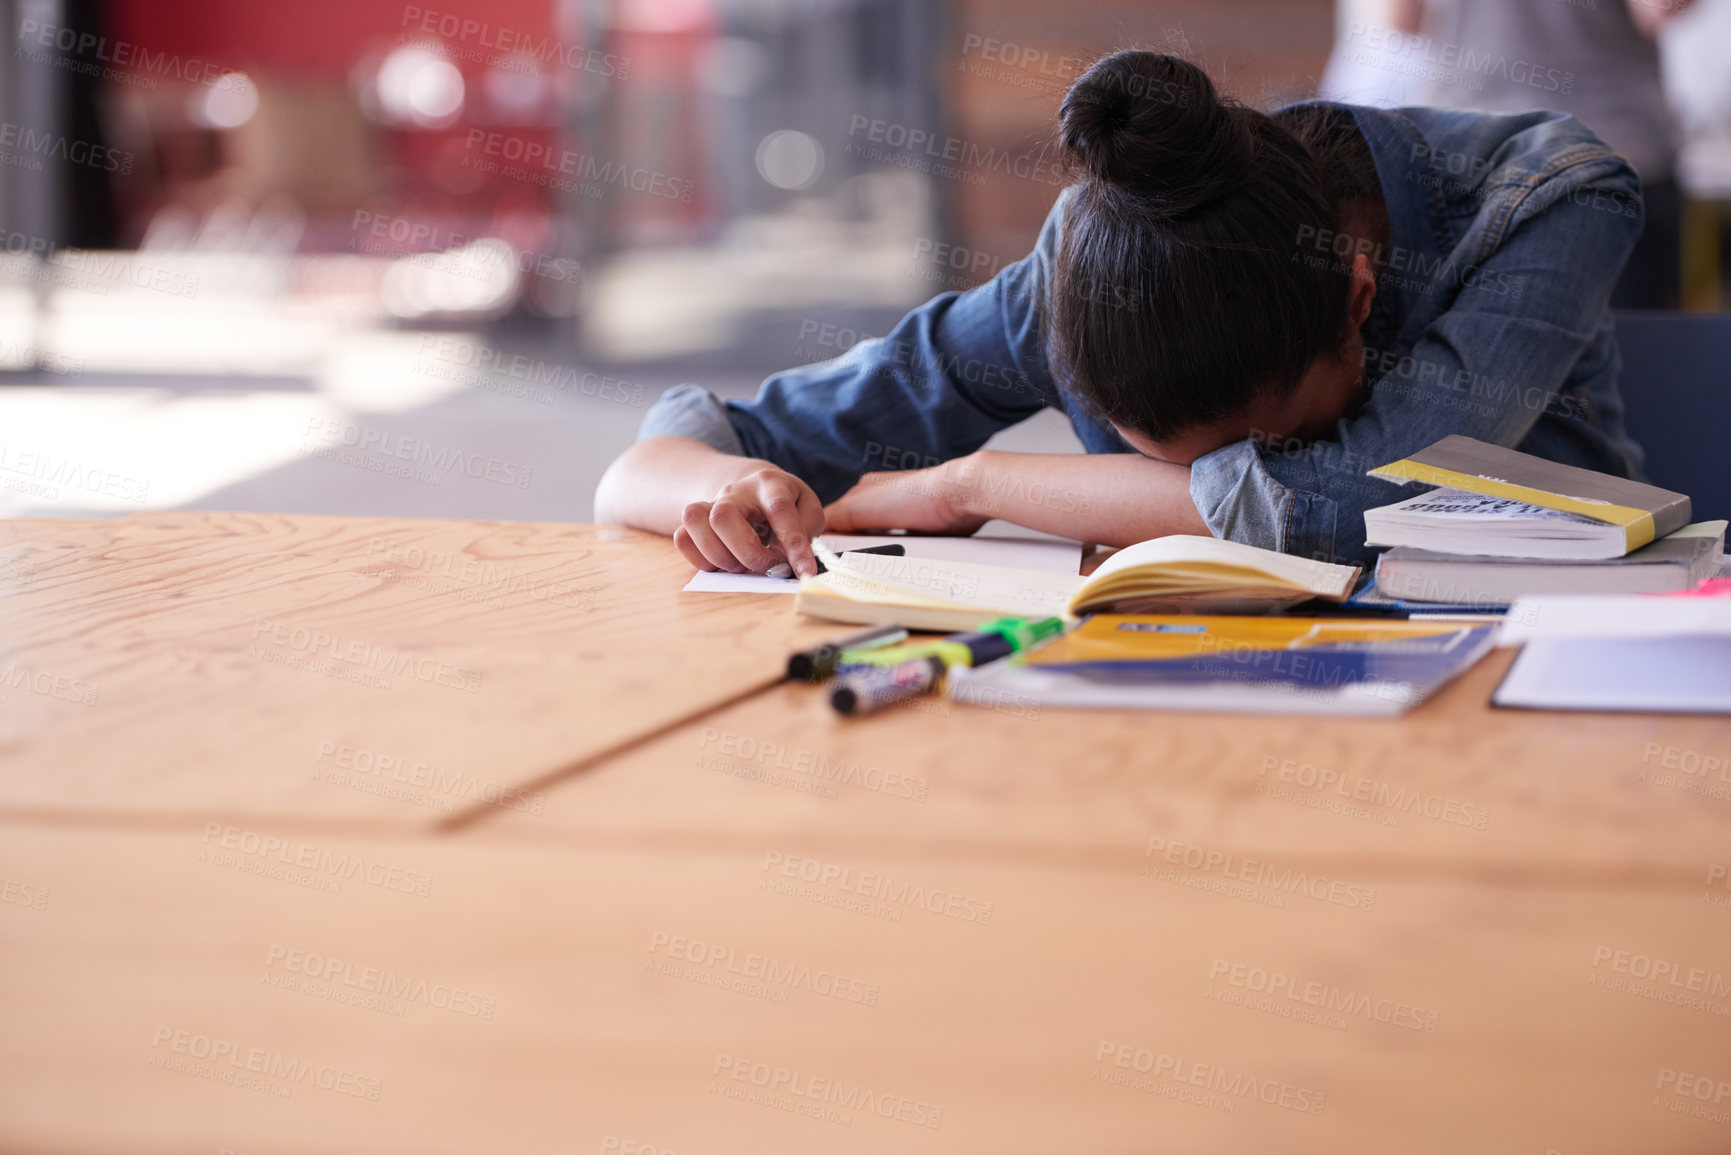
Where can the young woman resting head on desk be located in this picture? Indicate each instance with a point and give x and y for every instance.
(1239, 312)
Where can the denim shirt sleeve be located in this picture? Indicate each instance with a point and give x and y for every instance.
(692, 411)
(952, 373)
(1531, 324)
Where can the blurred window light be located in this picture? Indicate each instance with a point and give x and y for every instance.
(790, 159)
(105, 449)
(228, 103)
(479, 281)
(398, 372)
(417, 85)
(172, 324)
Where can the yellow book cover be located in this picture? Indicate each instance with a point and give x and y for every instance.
(1275, 665)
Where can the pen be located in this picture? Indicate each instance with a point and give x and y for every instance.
(871, 679)
(885, 550)
(867, 691)
(818, 663)
(780, 569)
(783, 570)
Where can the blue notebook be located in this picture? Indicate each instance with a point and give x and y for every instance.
(1236, 664)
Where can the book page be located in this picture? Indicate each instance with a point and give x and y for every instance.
(1020, 592)
(1057, 557)
(1063, 557)
(1447, 502)
(1319, 577)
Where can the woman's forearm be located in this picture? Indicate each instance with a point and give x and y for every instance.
(650, 484)
(1114, 499)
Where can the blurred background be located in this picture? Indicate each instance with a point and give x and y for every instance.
(435, 260)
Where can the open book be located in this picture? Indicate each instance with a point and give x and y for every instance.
(1176, 574)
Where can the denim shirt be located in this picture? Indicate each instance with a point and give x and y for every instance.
(1506, 234)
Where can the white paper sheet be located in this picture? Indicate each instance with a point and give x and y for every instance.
(1615, 616)
(1018, 553)
(1665, 675)
(704, 582)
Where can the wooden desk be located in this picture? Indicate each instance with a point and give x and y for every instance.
(1455, 789)
(1467, 1016)
(1127, 990)
(346, 670)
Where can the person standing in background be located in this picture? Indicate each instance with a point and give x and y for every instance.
(1594, 59)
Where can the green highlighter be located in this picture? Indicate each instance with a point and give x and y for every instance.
(994, 640)
(1025, 633)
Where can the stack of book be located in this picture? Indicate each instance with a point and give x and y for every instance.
(1504, 525)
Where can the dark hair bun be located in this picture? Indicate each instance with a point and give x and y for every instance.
(1154, 125)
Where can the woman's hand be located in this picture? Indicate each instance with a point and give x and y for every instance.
(932, 500)
(723, 533)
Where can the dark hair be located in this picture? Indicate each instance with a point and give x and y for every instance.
(1182, 290)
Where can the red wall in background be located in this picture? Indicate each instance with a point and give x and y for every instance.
(310, 38)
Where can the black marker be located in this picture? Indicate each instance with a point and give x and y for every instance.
(867, 691)
(782, 570)
(817, 664)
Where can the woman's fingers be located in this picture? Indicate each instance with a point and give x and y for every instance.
(683, 543)
(730, 519)
(779, 497)
(695, 521)
(754, 524)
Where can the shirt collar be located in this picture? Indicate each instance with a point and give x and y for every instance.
(1414, 214)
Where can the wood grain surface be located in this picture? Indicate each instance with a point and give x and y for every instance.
(543, 1000)
(1455, 785)
(716, 918)
(346, 670)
